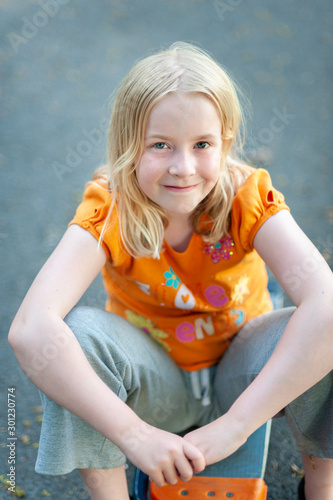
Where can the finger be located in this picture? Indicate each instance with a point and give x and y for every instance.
(157, 478)
(170, 475)
(195, 456)
(184, 469)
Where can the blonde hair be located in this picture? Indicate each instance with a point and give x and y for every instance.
(182, 67)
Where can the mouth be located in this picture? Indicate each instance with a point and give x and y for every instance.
(180, 189)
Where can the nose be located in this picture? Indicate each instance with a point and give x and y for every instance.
(182, 164)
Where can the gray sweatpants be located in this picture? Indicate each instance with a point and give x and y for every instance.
(141, 373)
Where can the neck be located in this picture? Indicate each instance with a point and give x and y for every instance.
(179, 233)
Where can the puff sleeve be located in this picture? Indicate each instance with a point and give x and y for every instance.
(92, 213)
(254, 203)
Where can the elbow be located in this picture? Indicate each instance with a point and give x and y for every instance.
(13, 336)
(22, 341)
(21, 335)
(37, 340)
(16, 337)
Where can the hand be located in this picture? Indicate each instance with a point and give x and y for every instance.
(218, 439)
(164, 456)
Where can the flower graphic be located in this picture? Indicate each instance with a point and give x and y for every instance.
(220, 250)
(148, 327)
(240, 290)
(172, 278)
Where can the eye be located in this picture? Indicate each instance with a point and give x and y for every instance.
(160, 145)
(202, 145)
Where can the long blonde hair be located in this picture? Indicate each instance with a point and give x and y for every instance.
(182, 67)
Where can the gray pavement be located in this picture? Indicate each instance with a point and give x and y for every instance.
(60, 61)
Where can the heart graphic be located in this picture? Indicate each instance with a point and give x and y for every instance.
(184, 298)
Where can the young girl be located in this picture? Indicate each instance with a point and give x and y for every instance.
(181, 232)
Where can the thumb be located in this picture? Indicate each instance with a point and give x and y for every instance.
(194, 456)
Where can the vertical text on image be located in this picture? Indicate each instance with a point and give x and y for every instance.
(11, 444)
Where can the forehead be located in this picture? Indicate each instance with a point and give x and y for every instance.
(180, 109)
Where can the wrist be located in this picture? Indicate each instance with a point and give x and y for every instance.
(242, 421)
(236, 424)
(219, 439)
(132, 434)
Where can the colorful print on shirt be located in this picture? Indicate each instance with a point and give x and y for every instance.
(148, 327)
(192, 303)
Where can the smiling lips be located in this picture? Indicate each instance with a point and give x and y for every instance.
(180, 188)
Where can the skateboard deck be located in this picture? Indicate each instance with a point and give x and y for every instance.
(239, 476)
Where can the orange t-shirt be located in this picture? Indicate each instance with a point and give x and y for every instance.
(191, 303)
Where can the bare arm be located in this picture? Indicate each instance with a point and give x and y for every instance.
(38, 327)
(52, 358)
(305, 353)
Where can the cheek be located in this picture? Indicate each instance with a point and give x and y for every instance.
(146, 174)
(141, 178)
(212, 168)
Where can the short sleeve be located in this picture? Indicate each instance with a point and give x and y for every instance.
(93, 211)
(255, 202)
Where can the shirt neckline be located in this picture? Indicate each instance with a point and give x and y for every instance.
(188, 249)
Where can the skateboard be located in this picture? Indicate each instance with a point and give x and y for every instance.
(239, 477)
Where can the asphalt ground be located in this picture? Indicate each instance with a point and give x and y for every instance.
(60, 62)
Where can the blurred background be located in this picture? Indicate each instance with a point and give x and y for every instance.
(60, 62)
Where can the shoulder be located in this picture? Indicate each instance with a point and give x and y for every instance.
(97, 189)
(256, 183)
(255, 201)
(97, 213)
(97, 200)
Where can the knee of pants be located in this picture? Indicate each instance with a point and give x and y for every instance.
(310, 418)
(84, 322)
(95, 329)
(247, 355)
(97, 332)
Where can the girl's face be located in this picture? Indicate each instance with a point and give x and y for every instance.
(181, 161)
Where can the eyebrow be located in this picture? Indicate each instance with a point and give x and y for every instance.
(166, 138)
